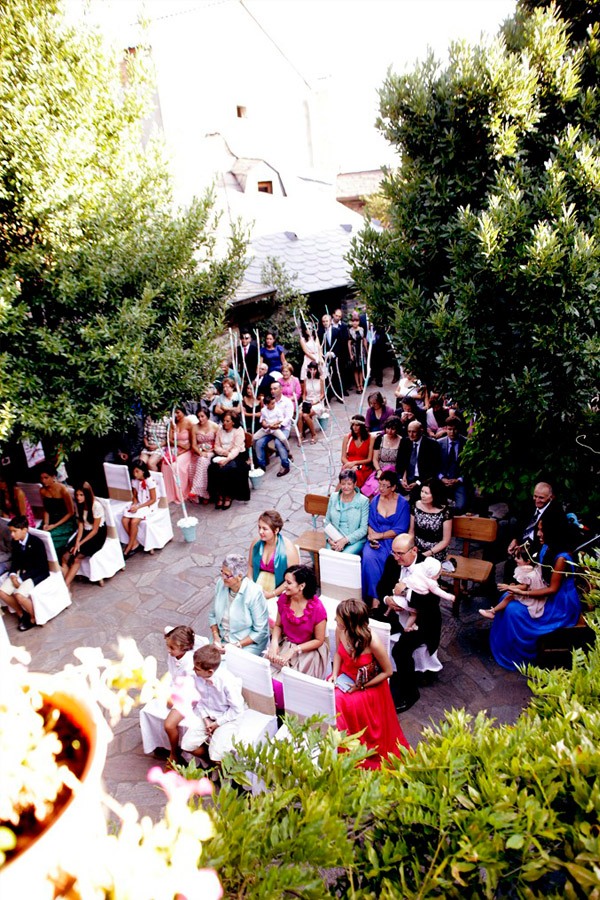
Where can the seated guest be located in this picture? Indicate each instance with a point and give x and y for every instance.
(431, 521)
(361, 669)
(290, 386)
(155, 441)
(176, 463)
(212, 724)
(5, 546)
(59, 512)
(276, 422)
(239, 612)
(418, 459)
(159, 721)
(389, 515)
(204, 434)
(437, 414)
(357, 450)
(145, 504)
(396, 574)
(29, 567)
(251, 409)
(229, 400)
(226, 371)
(91, 532)
(378, 412)
(265, 380)
(313, 397)
(385, 454)
(271, 554)
(524, 535)
(348, 513)
(299, 636)
(514, 634)
(228, 470)
(13, 501)
(408, 412)
(451, 448)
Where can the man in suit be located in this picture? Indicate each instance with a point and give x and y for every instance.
(29, 567)
(418, 459)
(526, 531)
(451, 448)
(331, 335)
(247, 357)
(265, 380)
(398, 565)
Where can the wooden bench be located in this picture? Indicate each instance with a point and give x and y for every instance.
(468, 568)
(555, 650)
(313, 540)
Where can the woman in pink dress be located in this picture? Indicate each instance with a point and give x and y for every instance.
(361, 669)
(178, 456)
(299, 636)
(290, 386)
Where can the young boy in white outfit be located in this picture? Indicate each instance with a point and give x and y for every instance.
(212, 725)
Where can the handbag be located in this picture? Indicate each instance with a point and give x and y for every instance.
(365, 673)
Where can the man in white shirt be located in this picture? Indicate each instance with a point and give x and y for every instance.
(276, 422)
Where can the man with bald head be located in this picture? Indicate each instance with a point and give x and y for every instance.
(402, 559)
(418, 459)
(526, 528)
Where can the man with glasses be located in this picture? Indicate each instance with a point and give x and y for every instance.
(399, 564)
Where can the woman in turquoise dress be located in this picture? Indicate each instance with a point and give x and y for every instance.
(389, 516)
(348, 513)
(514, 634)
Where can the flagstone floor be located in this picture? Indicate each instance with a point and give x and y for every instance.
(175, 586)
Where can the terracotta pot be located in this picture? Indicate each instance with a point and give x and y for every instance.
(72, 833)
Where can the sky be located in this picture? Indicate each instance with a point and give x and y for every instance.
(345, 47)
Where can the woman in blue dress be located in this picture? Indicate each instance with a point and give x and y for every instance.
(389, 516)
(514, 634)
(272, 353)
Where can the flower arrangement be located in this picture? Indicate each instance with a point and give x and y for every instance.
(45, 762)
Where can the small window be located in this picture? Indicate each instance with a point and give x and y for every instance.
(241, 112)
(265, 187)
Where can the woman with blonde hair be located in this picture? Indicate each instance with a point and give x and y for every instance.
(271, 554)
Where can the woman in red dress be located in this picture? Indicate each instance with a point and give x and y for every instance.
(357, 450)
(361, 669)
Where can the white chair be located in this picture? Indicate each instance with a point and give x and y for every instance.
(306, 696)
(155, 531)
(382, 630)
(32, 493)
(423, 659)
(258, 721)
(107, 561)
(51, 595)
(340, 575)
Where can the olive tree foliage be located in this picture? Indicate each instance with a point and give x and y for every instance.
(108, 294)
(489, 274)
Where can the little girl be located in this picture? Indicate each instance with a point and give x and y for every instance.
(422, 579)
(145, 501)
(532, 579)
(158, 720)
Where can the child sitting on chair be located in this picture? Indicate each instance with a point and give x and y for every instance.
(422, 579)
(531, 577)
(213, 723)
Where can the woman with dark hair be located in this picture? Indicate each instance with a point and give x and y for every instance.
(271, 554)
(145, 504)
(347, 516)
(357, 450)
(378, 412)
(228, 471)
(313, 396)
(436, 416)
(59, 512)
(312, 351)
(408, 411)
(389, 515)
(385, 455)
(251, 408)
(272, 353)
(204, 433)
(514, 634)
(299, 635)
(91, 531)
(178, 456)
(13, 501)
(361, 669)
(431, 521)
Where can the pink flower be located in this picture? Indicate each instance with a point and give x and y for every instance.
(174, 785)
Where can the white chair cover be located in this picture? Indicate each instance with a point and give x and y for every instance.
(109, 558)
(423, 659)
(306, 696)
(51, 595)
(157, 530)
(118, 483)
(259, 720)
(340, 575)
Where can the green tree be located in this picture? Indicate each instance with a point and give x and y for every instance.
(108, 294)
(490, 269)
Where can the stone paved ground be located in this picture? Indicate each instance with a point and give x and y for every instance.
(175, 587)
